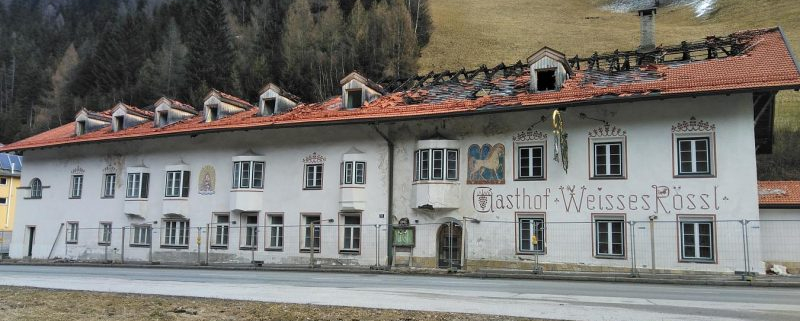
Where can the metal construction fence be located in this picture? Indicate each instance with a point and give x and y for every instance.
(608, 243)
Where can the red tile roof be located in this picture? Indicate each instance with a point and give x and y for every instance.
(779, 193)
(766, 64)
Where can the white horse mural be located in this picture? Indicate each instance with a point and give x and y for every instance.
(486, 164)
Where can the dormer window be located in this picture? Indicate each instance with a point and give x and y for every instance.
(163, 118)
(80, 127)
(269, 106)
(549, 70)
(218, 105)
(354, 98)
(119, 123)
(545, 80)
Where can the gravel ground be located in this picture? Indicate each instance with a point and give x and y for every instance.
(20, 303)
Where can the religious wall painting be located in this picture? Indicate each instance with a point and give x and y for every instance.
(208, 180)
(486, 164)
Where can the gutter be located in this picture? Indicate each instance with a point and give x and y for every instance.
(779, 206)
(390, 192)
(789, 49)
(488, 109)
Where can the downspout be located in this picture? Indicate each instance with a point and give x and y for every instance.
(10, 197)
(390, 146)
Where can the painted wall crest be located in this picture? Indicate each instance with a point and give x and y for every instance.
(530, 134)
(314, 158)
(78, 171)
(693, 125)
(607, 130)
(208, 180)
(486, 164)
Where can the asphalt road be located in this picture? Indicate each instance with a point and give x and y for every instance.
(531, 298)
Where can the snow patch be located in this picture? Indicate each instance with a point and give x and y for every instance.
(701, 7)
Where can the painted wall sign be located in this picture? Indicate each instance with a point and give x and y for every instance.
(486, 164)
(314, 158)
(659, 199)
(208, 180)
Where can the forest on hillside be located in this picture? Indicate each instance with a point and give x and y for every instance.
(57, 57)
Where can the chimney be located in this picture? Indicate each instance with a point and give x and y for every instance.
(647, 20)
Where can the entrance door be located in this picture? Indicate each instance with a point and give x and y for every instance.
(449, 249)
(31, 234)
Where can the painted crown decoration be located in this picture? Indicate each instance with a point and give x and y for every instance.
(607, 131)
(314, 158)
(693, 125)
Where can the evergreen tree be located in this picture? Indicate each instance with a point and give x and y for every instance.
(211, 52)
(58, 99)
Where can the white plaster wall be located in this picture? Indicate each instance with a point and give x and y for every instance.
(283, 149)
(731, 195)
(780, 240)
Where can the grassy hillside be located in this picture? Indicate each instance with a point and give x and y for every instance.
(469, 33)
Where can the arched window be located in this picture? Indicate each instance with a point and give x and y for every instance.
(36, 188)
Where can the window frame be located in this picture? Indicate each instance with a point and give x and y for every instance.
(274, 232)
(179, 238)
(3, 201)
(105, 229)
(162, 118)
(140, 185)
(137, 236)
(518, 161)
(597, 219)
(351, 176)
(696, 220)
(531, 216)
(36, 188)
(3, 181)
(72, 232)
(221, 231)
(317, 177)
(248, 241)
(109, 191)
(239, 175)
(623, 157)
(305, 230)
(270, 106)
(76, 186)
(425, 165)
(354, 231)
(351, 103)
(555, 79)
(711, 151)
(176, 184)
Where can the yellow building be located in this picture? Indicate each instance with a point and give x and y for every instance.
(10, 169)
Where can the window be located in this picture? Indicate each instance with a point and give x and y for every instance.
(354, 98)
(176, 233)
(248, 174)
(531, 234)
(137, 185)
(697, 240)
(275, 232)
(351, 233)
(177, 184)
(221, 230)
(36, 188)
(213, 112)
(436, 164)
(72, 232)
(3, 181)
(313, 176)
(141, 235)
(250, 235)
(80, 127)
(109, 183)
(163, 118)
(354, 172)
(545, 80)
(609, 237)
(307, 235)
(269, 106)
(530, 162)
(105, 233)
(76, 186)
(119, 123)
(608, 159)
(3, 201)
(694, 156)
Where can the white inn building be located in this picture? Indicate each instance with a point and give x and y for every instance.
(638, 159)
